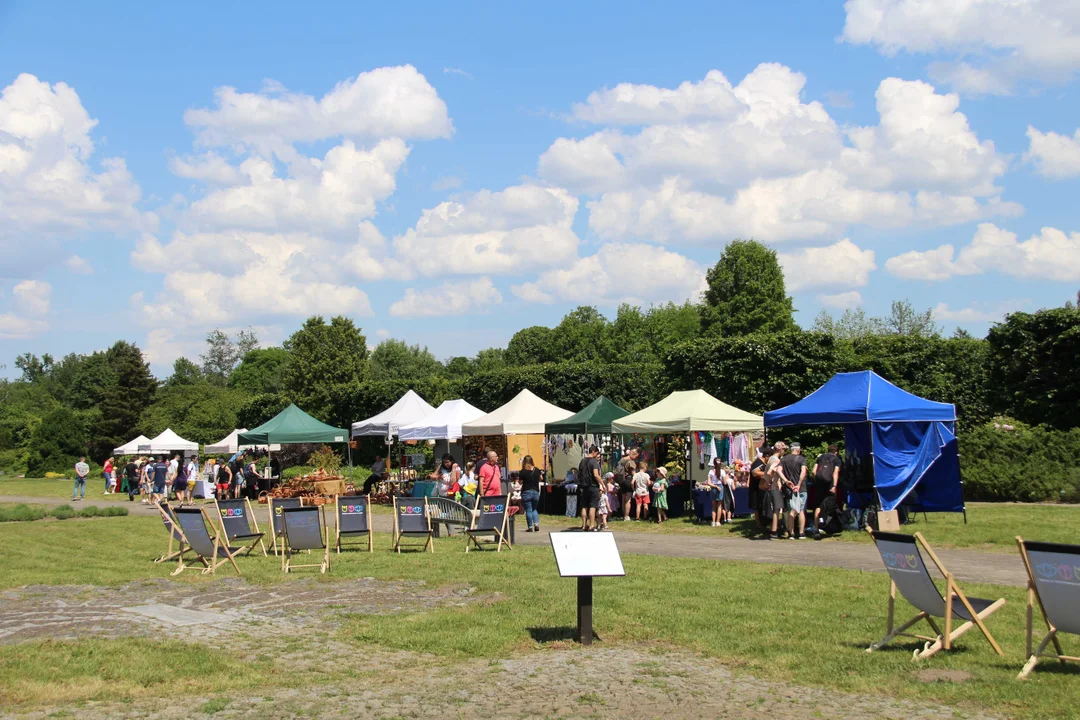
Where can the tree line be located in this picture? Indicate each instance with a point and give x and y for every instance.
(740, 343)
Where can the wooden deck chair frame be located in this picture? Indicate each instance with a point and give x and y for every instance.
(429, 534)
(287, 552)
(220, 549)
(944, 639)
(370, 530)
(275, 536)
(1033, 597)
(256, 537)
(499, 536)
(175, 535)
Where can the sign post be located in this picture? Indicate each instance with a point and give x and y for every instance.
(585, 556)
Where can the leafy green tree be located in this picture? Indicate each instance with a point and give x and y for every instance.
(323, 356)
(257, 409)
(582, 335)
(184, 372)
(854, 323)
(199, 411)
(489, 360)
(57, 442)
(457, 367)
(962, 334)
(746, 293)
(224, 353)
(670, 324)
(92, 378)
(33, 368)
(124, 401)
(397, 360)
(529, 346)
(903, 319)
(261, 371)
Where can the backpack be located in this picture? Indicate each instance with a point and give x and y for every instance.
(584, 475)
(826, 466)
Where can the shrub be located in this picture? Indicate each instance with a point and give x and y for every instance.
(1006, 460)
(88, 512)
(114, 511)
(63, 512)
(21, 513)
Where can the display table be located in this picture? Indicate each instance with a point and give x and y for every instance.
(552, 500)
(203, 489)
(424, 488)
(679, 500)
(742, 502)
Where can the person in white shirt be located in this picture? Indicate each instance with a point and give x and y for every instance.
(81, 471)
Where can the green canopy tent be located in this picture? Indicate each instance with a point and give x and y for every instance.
(594, 418)
(290, 426)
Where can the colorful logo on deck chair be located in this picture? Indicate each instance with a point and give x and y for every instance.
(900, 560)
(492, 508)
(231, 513)
(410, 509)
(1050, 571)
(353, 509)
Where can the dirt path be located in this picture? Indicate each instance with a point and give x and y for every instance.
(969, 565)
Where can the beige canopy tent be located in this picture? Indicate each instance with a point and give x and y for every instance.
(132, 446)
(168, 441)
(688, 411)
(230, 445)
(524, 417)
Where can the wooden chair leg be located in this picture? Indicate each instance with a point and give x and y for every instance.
(1033, 659)
(893, 634)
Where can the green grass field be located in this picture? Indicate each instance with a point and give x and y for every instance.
(807, 625)
(57, 488)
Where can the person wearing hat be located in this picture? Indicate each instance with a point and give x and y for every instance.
(775, 475)
(794, 467)
(660, 486)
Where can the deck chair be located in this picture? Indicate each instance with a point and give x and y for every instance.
(175, 536)
(1054, 582)
(239, 524)
(489, 519)
(304, 529)
(193, 524)
(412, 519)
(275, 506)
(353, 519)
(909, 575)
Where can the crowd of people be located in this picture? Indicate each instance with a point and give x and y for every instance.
(172, 477)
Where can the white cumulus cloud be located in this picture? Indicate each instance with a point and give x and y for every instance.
(843, 264)
(79, 265)
(450, 298)
(985, 46)
(1055, 156)
(619, 272)
(1050, 255)
(842, 301)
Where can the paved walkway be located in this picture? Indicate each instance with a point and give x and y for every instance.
(969, 565)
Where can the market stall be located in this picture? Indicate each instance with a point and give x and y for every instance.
(169, 442)
(566, 440)
(694, 420)
(293, 426)
(229, 445)
(131, 447)
(899, 445)
(443, 426)
(518, 425)
(410, 408)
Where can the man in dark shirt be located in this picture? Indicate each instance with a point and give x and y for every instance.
(826, 478)
(758, 485)
(131, 475)
(589, 484)
(794, 467)
(159, 473)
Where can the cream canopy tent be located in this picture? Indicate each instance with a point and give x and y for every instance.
(229, 445)
(409, 408)
(526, 414)
(132, 447)
(442, 424)
(688, 411)
(168, 441)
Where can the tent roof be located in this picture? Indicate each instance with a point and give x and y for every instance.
(229, 444)
(859, 397)
(526, 414)
(444, 423)
(596, 417)
(687, 411)
(410, 408)
(169, 441)
(292, 425)
(131, 447)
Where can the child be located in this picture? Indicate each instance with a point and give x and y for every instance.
(515, 491)
(605, 508)
(612, 491)
(660, 486)
(641, 490)
(468, 485)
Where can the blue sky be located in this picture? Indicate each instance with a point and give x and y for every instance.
(449, 174)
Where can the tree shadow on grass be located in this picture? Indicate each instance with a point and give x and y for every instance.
(562, 633)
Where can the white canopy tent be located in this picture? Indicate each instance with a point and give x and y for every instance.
(229, 445)
(132, 447)
(442, 424)
(168, 441)
(526, 414)
(688, 411)
(410, 408)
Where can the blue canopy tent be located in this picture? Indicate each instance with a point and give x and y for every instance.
(911, 441)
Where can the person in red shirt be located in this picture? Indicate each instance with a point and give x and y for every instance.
(491, 476)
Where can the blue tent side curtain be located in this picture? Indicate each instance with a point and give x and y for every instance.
(915, 464)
